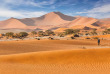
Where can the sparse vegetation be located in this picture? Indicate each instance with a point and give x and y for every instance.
(61, 34)
(71, 31)
(49, 32)
(95, 38)
(23, 34)
(33, 32)
(76, 35)
(9, 34)
(107, 31)
(38, 38)
(40, 33)
(50, 38)
(94, 32)
(72, 37)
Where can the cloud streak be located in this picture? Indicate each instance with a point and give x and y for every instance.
(20, 14)
(98, 12)
(28, 2)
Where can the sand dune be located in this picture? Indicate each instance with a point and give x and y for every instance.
(54, 57)
(48, 21)
(12, 23)
(60, 29)
(55, 20)
(82, 22)
(14, 47)
(103, 23)
(84, 61)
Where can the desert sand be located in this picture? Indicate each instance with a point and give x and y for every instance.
(54, 57)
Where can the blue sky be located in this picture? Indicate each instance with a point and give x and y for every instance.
(36, 8)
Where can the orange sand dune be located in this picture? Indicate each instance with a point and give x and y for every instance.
(84, 61)
(48, 21)
(81, 22)
(60, 29)
(13, 47)
(12, 23)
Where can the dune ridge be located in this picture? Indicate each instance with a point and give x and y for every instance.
(56, 20)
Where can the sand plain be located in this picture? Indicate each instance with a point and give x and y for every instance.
(55, 57)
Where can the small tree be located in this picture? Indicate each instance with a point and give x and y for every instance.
(108, 31)
(9, 34)
(49, 32)
(17, 35)
(69, 31)
(23, 34)
(33, 33)
(94, 32)
(40, 33)
(76, 31)
(104, 32)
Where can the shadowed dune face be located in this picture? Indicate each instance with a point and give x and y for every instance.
(28, 21)
(65, 17)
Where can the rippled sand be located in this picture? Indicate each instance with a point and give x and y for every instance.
(69, 61)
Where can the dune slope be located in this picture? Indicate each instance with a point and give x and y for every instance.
(96, 61)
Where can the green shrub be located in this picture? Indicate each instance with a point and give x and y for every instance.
(23, 34)
(72, 37)
(9, 34)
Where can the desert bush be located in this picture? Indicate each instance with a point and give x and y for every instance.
(95, 38)
(38, 38)
(49, 32)
(72, 37)
(76, 35)
(94, 32)
(41, 33)
(69, 31)
(88, 38)
(9, 34)
(33, 32)
(72, 31)
(107, 31)
(23, 34)
(50, 38)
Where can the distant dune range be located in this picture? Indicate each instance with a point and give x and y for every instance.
(55, 20)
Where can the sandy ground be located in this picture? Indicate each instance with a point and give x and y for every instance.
(13, 47)
(55, 57)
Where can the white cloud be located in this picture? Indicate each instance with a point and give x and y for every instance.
(6, 10)
(20, 14)
(98, 12)
(27, 2)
